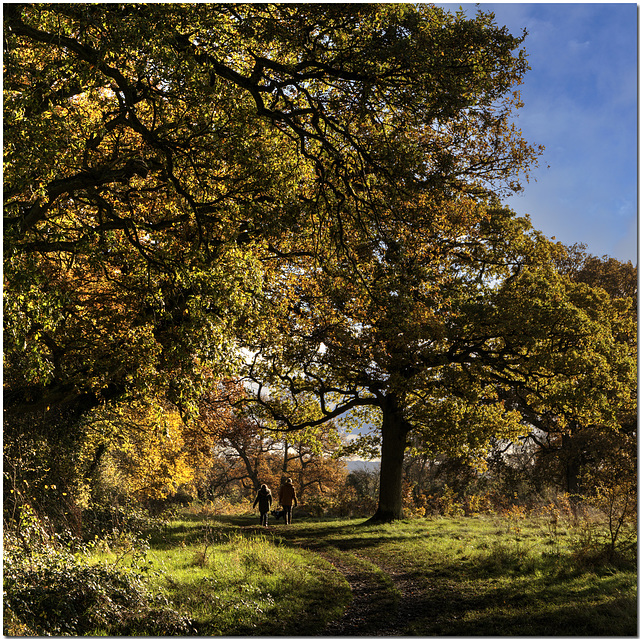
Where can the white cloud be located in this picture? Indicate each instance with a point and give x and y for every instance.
(580, 100)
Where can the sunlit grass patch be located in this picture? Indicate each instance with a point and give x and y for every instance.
(231, 580)
(489, 575)
(469, 576)
(233, 583)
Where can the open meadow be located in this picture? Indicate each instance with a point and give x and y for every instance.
(483, 575)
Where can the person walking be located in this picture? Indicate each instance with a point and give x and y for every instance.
(288, 499)
(263, 499)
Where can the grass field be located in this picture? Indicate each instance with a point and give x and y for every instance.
(457, 576)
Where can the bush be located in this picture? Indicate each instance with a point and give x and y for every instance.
(612, 483)
(54, 595)
(105, 519)
(447, 503)
(49, 591)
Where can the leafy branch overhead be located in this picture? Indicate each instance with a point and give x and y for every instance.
(304, 197)
(404, 101)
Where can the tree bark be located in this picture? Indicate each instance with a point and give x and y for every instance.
(251, 469)
(285, 463)
(571, 462)
(394, 442)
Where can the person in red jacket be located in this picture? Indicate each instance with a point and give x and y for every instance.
(288, 499)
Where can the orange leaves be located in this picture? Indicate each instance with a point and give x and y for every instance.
(150, 460)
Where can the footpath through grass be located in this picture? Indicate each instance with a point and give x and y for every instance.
(467, 576)
(485, 576)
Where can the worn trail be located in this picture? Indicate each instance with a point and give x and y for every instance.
(384, 600)
(373, 604)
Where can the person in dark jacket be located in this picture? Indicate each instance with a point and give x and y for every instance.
(263, 499)
(288, 499)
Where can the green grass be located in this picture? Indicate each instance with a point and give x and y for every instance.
(487, 576)
(468, 576)
(235, 581)
(242, 585)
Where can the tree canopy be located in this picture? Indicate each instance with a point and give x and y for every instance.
(316, 185)
(447, 342)
(149, 147)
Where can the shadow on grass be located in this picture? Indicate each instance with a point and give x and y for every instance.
(503, 613)
(193, 529)
(499, 590)
(346, 535)
(492, 596)
(187, 532)
(503, 589)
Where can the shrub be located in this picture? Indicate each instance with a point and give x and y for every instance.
(105, 519)
(50, 591)
(613, 490)
(447, 503)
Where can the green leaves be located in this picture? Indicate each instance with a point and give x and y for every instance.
(314, 184)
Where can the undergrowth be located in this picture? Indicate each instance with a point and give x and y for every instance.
(50, 590)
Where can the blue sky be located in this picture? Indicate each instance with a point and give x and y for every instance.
(580, 102)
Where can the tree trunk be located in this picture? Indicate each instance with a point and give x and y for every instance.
(285, 463)
(394, 442)
(572, 463)
(251, 470)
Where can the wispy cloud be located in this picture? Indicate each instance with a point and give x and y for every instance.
(580, 103)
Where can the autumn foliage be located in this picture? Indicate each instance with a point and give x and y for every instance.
(233, 233)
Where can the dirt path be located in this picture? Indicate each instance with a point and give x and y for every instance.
(385, 599)
(372, 607)
(384, 602)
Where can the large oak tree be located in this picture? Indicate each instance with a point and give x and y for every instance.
(144, 144)
(446, 339)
